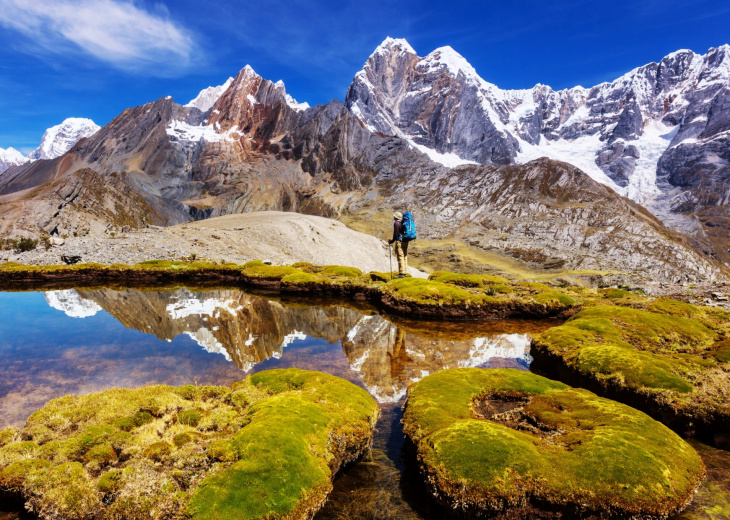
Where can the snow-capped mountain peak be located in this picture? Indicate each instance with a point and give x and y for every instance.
(393, 43)
(293, 103)
(447, 57)
(625, 133)
(207, 97)
(59, 139)
(10, 157)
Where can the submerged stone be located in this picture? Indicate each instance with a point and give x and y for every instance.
(507, 442)
(267, 447)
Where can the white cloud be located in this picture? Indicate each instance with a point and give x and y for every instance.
(115, 31)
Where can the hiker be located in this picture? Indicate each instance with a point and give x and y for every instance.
(401, 244)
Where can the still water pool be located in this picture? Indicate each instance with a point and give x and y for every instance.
(55, 343)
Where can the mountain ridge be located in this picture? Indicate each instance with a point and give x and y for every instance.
(253, 150)
(56, 141)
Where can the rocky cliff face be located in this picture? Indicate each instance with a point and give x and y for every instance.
(658, 134)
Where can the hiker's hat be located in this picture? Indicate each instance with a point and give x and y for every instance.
(397, 215)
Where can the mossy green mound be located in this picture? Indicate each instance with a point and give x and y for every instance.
(267, 447)
(447, 296)
(476, 296)
(506, 440)
(669, 358)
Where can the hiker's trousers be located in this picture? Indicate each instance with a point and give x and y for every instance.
(401, 252)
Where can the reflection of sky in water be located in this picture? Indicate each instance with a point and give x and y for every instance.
(107, 338)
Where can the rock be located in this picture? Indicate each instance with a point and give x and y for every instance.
(507, 441)
(56, 241)
(70, 259)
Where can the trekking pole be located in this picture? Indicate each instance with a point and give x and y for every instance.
(390, 258)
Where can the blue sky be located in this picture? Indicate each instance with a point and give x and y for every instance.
(94, 58)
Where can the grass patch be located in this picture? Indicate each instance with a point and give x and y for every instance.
(494, 440)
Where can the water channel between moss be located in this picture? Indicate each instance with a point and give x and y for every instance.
(79, 341)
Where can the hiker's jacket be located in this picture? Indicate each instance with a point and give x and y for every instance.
(398, 230)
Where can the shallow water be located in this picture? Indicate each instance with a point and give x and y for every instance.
(79, 341)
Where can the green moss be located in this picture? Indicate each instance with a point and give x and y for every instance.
(287, 432)
(467, 280)
(181, 439)
(339, 271)
(239, 399)
(671, 356)
(6, 436)
(375, 276)
(616, 293)
(286, 468)
(560, 446)
(158, 451)
(554, 297)
(307, 267)
(430, 292)
(189, 417)
(133, 421)
(721, 351)
(102, 454)
(15, 451)
(110, 482)
(261, 271)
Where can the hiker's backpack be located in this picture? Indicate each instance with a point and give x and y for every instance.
(409, 226)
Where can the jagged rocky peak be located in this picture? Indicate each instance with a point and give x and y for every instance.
(425, 100)
(59, 139)
(293, 103)
(252, 103)
(207, 97)
(10, 157)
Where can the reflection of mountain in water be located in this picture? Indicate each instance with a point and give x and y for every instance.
(71, 303)
(248, 330)
(390, 357)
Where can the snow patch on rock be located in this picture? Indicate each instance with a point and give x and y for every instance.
(207, 133)
(207, 97)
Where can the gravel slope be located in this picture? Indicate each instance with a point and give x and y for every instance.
(281, 237)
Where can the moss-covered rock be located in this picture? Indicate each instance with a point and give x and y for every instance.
(510, 441)
(267, 447)
(666, 360)
(467, 280)
(448, 296)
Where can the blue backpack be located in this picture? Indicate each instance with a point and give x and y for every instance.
(409, 227)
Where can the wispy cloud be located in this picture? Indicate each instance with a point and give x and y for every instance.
(118, 32)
